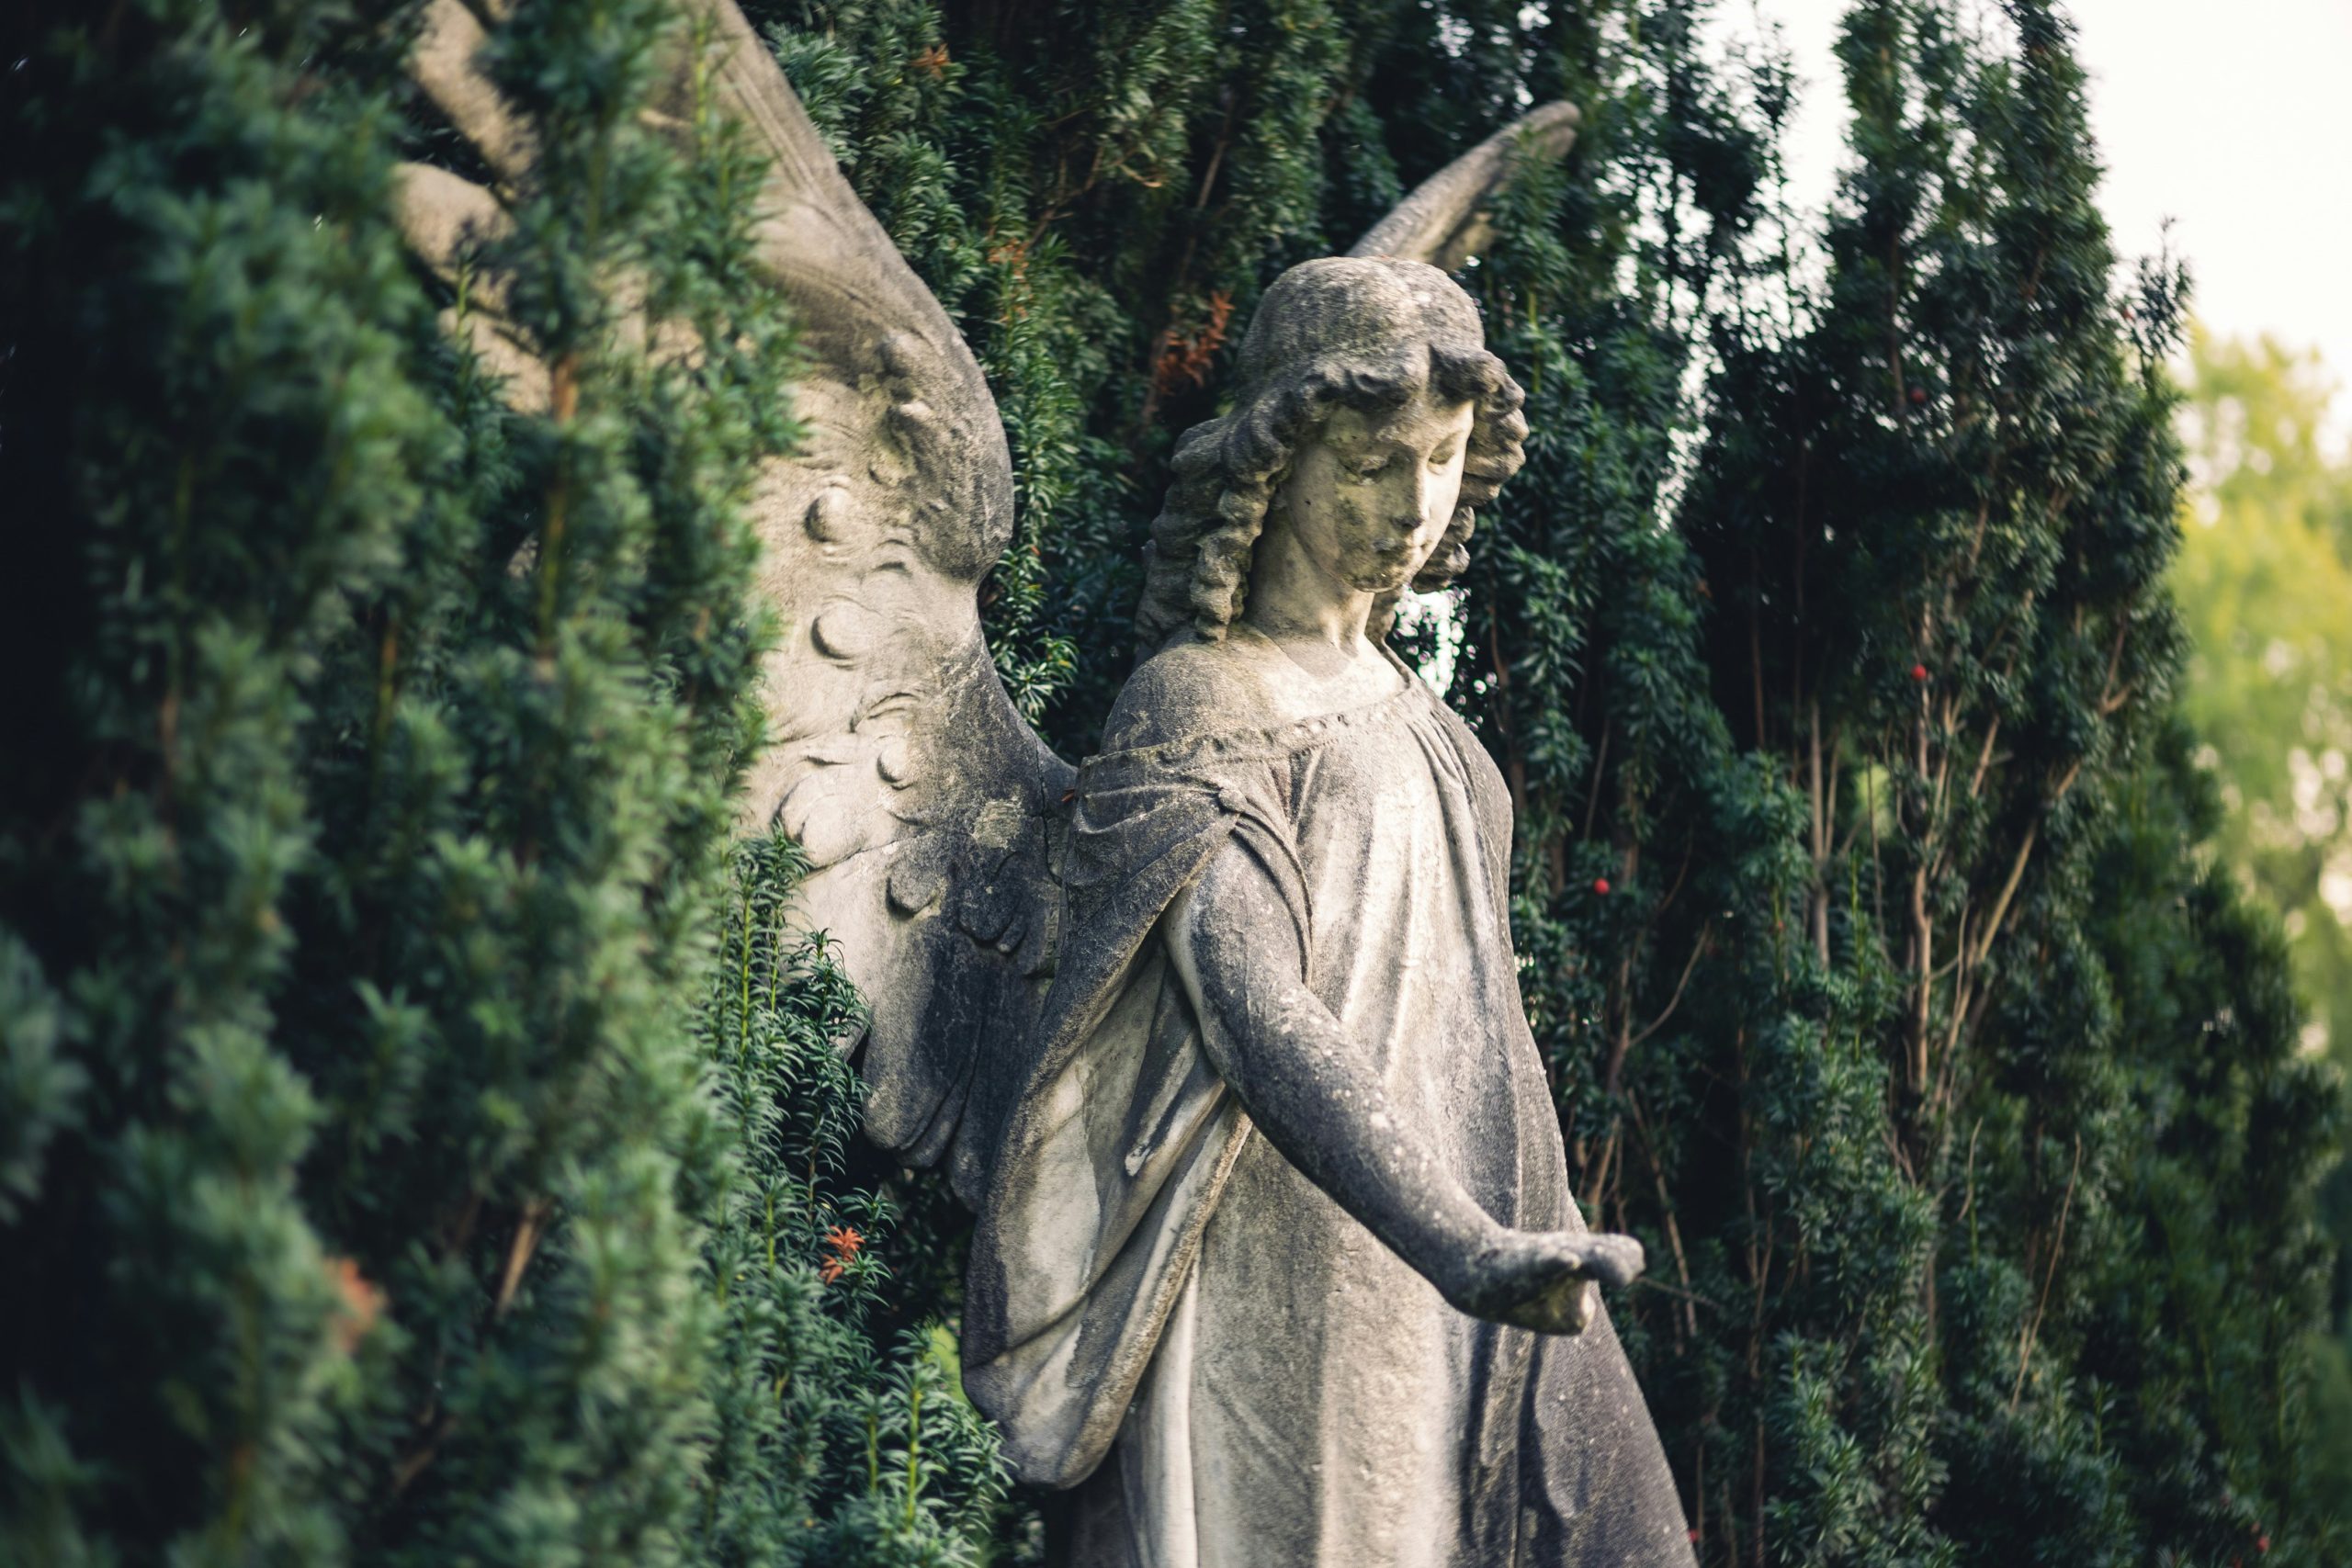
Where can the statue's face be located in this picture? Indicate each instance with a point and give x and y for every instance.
(1370, 497)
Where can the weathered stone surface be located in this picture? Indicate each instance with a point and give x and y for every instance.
(1276, 1263)
(1279, 1264)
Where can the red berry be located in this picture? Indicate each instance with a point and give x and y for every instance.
(1919, 395)
(1918, 672)
(1601, 885)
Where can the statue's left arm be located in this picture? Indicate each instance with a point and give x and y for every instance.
(1313, 1091)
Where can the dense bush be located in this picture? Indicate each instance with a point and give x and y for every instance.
(360, 846)
(842, 1437)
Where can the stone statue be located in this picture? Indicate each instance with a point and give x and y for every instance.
(1276, 1263)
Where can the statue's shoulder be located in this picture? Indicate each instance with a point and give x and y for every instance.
(1192, 687)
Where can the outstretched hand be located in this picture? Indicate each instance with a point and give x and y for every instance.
(1546, 1281)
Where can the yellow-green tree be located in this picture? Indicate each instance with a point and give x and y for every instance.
(2264, 585)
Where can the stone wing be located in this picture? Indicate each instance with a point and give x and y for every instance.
(1444, 221)
(894, 758)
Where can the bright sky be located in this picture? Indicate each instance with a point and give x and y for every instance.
(2232, 118)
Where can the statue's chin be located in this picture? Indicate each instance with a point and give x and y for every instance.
(1381, 576)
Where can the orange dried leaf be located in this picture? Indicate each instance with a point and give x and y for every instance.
(360, 1303)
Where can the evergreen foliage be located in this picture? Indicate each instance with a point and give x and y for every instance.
(211, 435)
(1935, 520)
(524, 807)
(358, 882)
(837, 1440)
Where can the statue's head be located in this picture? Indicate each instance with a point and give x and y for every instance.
(1369, 416)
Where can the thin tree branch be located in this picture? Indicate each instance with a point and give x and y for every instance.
(2057, 1246)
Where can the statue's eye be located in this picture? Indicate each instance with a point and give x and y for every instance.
(1369, 467)
(1440, 458)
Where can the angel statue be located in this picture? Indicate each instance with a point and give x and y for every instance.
(1276, 1263)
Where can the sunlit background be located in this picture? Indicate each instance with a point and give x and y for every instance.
(2233, 121)
(2224, 129)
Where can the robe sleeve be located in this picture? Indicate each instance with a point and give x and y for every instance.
(1123, 1136)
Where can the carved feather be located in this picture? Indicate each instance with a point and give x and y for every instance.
(896, 757)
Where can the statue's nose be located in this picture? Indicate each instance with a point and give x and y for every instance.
(1411, 505)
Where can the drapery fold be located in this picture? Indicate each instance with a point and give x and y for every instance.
(1114, 1154)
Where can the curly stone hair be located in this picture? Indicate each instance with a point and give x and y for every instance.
(1361, 332)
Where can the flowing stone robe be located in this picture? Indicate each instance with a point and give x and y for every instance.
(1166, 1313)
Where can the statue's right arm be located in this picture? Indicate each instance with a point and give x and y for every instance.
(1313, 1091)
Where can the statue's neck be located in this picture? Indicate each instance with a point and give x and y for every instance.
(1294, 599)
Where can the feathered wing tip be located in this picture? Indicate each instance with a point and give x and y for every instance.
(1444, 221)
